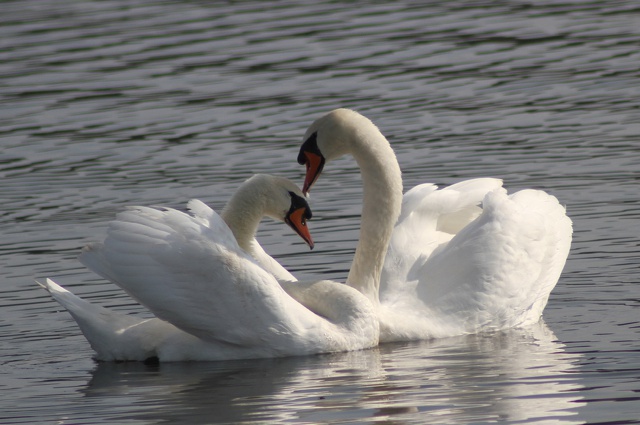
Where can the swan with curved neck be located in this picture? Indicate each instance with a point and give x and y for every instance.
(264, 195)
(343, 132)
(463, 259)
(211, 299)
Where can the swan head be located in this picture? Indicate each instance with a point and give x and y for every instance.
(330, 137)
(297, 215)
(284, 201)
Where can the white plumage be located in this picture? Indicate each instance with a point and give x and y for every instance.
(462, 259)
(211, 299)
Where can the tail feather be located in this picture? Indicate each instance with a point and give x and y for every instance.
(108, 332)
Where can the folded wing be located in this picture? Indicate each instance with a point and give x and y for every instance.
(499, 270)
(429, 219)
(189, 271)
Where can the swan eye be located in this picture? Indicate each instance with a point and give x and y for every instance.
(297, 217)
(298, 202)
(312, 158)
(311, 146)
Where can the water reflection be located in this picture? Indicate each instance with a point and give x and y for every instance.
(518, 375)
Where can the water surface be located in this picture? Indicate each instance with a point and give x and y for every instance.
(106, 104)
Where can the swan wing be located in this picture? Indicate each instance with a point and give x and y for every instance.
(428, 219)
(194, 276)
(123, 337)
(204, 214)
(90, 317)
(113, 335)
(459, 204)
(499, 270)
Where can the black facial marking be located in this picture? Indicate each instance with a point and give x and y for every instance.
(310, 145)
(298, 202)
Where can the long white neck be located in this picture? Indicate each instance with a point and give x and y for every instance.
(382, 200)
(243, 213)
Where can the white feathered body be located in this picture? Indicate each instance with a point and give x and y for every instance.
(212, 300)
(470, 258)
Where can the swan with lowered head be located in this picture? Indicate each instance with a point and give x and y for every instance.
(262, 195)
(211, 299)
(464, 259)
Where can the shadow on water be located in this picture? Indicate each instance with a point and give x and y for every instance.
(518, 375)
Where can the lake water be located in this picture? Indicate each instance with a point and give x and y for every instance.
(113, 103)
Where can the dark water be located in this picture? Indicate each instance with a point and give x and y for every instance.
(112, 103)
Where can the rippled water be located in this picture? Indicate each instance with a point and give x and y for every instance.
(111, 103)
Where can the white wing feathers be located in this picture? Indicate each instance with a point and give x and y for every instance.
(204, 215)
(111, 334)
(475, 258)
(197, 278)
(429, 218)
(499, 270)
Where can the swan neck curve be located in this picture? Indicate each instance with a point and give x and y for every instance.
(381, 203)
(243, 213)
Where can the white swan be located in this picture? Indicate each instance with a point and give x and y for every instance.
(452, 266)
(262, 195)
(212, 300)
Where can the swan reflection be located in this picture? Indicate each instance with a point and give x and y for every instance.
(519, 374)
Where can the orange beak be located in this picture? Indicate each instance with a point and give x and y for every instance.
(314, 163)
(298, 222)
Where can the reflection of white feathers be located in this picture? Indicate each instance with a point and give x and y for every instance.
(515, 375)
(518, 375)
